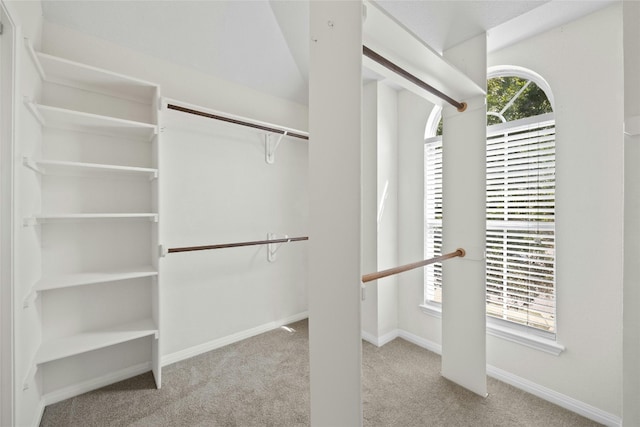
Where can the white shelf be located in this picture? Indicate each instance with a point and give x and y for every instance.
(62, 118)
(56, 167)
(43, 218)
(94, 340)
(81, 279)
(69, 73)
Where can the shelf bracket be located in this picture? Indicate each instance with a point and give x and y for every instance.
(34, 57)
(29, 299)
(273, 248)
(31, 106)
(28, 162)
(270, 147)
(30, 375)
(29, 221)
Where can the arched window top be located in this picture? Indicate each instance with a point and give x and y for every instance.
(512, 93)
(515, 93)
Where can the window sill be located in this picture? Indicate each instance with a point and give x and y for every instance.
(506, 332)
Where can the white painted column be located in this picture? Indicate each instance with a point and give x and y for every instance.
(631, 287)
(370, 208)
(387, 210)
(463, 295)
(413, 112)
(335, 90)
(380, 210)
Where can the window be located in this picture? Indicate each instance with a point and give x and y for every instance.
(520, 202)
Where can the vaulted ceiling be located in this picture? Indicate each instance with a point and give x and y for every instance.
(264, 45)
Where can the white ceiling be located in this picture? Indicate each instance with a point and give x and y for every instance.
(263, 44)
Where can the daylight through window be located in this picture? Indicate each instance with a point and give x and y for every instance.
(520, 228)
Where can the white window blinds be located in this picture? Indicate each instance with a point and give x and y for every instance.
(520, 221)
(433, 217)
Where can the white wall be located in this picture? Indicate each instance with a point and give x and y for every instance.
(582, 61)
(631, 357)
(217, 188)
(380, 209)
(28, 16)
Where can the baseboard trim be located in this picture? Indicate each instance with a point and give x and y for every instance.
(229, 339)
(370, 338)
(379, 341)
(553, 396)
(545, 393)
(94, 383)
(421, 342)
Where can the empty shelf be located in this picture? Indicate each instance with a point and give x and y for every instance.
(93, 340)
(80, 279)
(62, 118)
(39, 219)
(69, 73)
(57, 167)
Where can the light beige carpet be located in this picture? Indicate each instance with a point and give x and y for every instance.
(264, 381)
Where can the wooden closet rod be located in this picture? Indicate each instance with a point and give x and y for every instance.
(384, 273)
(461, 106)
(235, 121)
(238, 244)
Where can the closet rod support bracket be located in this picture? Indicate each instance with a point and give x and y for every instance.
(163, 251)
(272, 248)
(270, 147)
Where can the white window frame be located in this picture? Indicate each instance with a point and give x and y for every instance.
(511, 331)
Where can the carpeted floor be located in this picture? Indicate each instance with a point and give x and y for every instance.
(264, 381)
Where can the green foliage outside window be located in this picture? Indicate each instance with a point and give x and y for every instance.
(502, 90)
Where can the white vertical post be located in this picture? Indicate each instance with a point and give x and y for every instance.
(370, 330)
(631, 287)
(413, 112)
(7, 160)
(463, 294)
(387, 207)
(335, 217)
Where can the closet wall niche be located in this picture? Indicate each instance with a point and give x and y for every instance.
(90, 233)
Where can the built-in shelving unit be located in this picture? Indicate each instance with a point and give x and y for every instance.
(96, 168)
